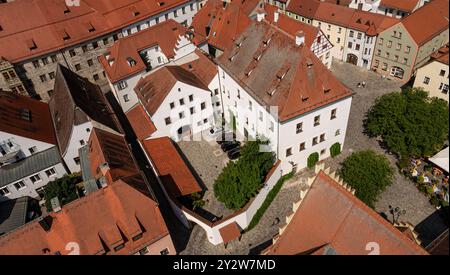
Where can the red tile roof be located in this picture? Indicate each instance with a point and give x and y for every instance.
(403, 5)
(26, 117)
(173, 171)
(230, 232)
(112, 149)
(153, 89)
(419, 25)
(43, 23)
(331, 216)
(441, 55)
(225, 24)
(130, 46)
(98, 223)
(140, 122)
(294, 79)
(291, 25)
(306, 8)
(203, 67)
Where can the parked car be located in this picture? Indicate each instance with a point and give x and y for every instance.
(228, 145)
(234, 153)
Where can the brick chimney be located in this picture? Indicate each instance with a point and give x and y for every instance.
(276, 15)
(260, 14)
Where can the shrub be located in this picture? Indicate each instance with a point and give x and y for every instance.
(64, 188)
(313, 159)
(335, 149)
(241, 180)
(368, 173)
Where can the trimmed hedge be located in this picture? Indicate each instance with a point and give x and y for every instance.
(335, 149)
(270, 197)
(313, 159)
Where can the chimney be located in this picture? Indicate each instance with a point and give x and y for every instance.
(56, 206)
(276, 15)
(299, 38)
(45, 222)
(260, 14)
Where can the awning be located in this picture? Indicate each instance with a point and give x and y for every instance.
(441, 159)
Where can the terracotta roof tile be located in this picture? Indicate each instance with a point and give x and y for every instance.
(44, 21)
(404, 5)
(441, 55)
(130, 46)
(26, 117)
(142, 124)
(102, 216)
(173, 171)
(419, 25)
(330, 215)
(307, 85)
(230, 232)
(153, 89)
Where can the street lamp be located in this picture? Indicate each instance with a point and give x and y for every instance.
(396, 213)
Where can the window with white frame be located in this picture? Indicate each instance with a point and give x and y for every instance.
(122, 85)
(50, 172)
(299, 128)
(4, 191)
(426, 80)
(35, 178)
(19, 185)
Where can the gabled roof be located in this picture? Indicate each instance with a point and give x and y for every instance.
(224, 24)
(291, 25)
(37, 27)
(419, 24)
(130, 46)
(306, 8)
(23, 116)
(75, 101)
(176, 176)
(153, 89)
(294, 79)
(15, 213)
(330, 218)
(29, 166)
(98, 223)
(403, 5)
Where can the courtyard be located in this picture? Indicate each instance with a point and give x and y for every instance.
(402, 193)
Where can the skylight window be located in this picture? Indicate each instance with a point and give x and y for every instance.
(66, 36)
(131, 62)
(31, 44)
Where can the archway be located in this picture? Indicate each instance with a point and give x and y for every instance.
(353, 59)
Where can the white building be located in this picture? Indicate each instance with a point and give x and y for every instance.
(176, 100)
(29, 158)
(393, 8)
(433, 75)
(136, 55)
(284, 94)
(77, 106)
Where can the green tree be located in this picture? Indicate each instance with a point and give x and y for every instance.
(64, 188)
(410, 123)
(241, 180)
(368, 173)
(335, 149)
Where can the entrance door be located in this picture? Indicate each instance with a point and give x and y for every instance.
(352, 59)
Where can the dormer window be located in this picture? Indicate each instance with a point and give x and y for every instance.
(131, 62)
(1, 28)
(304, 99)
(67, 10)
(91, 28)
(31, 44)
(66, 36)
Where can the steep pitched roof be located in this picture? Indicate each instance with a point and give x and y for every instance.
(306, 8)
(330, 217)
(23, 116)
(173, 171)
(294, 79)
(291, 25)
(153, 89)
(130, 46)
(224, 23)
(75, 101)
(403, 5)
(37, 27)
(419, 25)
(98, 223)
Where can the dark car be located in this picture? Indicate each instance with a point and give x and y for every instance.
(234, 153)
(228, 145)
